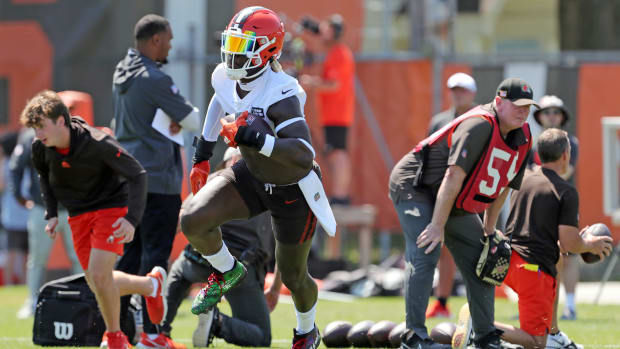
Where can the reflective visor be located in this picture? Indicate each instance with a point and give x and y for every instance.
(238, 43)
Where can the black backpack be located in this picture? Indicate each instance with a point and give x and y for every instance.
(67, 315)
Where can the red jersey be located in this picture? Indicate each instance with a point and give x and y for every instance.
(496, 167)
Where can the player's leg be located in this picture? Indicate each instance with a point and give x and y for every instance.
(292, 262)
(294, 226)
(250, 324)
(414, 215)
(216, 203)
(176, 289)
(67, 240)
(157, 230)
(100, 279)
(292, 259)
(447, 269)
(98, 270)
(570, 278)
(554, 320)
(515, 335)
(228, 196)
(557, 338)
(40, 247)
(339, 163)
(462, 237)
(536, 296)
(150, 286)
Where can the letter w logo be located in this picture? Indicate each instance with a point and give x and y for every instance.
(63, 330)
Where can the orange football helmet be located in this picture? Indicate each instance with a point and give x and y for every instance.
(253, 38)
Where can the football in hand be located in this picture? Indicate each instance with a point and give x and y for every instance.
(259, 124)
(598, 229)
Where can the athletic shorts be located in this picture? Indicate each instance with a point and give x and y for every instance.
(92, 230)
(536, 290)
(17, 240)
(335, 137)
(292, 219)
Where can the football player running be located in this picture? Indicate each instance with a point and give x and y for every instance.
(277, 172)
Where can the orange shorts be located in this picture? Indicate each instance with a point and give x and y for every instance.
(93, 229)
(536, 290)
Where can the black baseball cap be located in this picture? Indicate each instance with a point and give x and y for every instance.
(517, 91)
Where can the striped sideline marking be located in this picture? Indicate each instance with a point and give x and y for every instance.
(279, 340)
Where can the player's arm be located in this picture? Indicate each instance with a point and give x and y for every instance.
(38, 159)
(320, 83)
(491, 214)
(468, 143)
(164, 94)
(17, 164)
(128, 167)
(273, 293)
(574, 241)
(204, 145)
(571, 239)
(293, 145)
(448, 191)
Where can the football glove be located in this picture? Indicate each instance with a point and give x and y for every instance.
(494, 260)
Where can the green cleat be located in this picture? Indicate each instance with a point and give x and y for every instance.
(217, 285)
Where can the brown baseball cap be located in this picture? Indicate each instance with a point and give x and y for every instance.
(517, 91)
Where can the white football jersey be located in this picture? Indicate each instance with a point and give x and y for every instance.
(271, 87)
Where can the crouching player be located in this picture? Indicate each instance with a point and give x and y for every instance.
(543, 212)
(104, 190)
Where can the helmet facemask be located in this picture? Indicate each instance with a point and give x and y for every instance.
(241, 53)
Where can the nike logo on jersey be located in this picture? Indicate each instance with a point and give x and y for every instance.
(288, 202)
(287, 91)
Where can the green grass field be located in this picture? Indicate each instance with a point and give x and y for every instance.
(597, 327)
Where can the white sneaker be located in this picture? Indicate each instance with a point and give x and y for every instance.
(203, 334)
(561, 341)
(26, 310)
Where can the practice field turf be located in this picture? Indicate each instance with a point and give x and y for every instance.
(597, 327)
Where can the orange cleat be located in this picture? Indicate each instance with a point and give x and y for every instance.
(437, 310)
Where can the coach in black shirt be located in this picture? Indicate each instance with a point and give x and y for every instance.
(543, 212)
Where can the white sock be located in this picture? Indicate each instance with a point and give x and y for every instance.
(305, 321)
(223, 261)
(570, 301)
(155, 286)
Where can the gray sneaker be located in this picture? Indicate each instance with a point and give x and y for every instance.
(561, 341)
(205, 331)
(410, 340)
